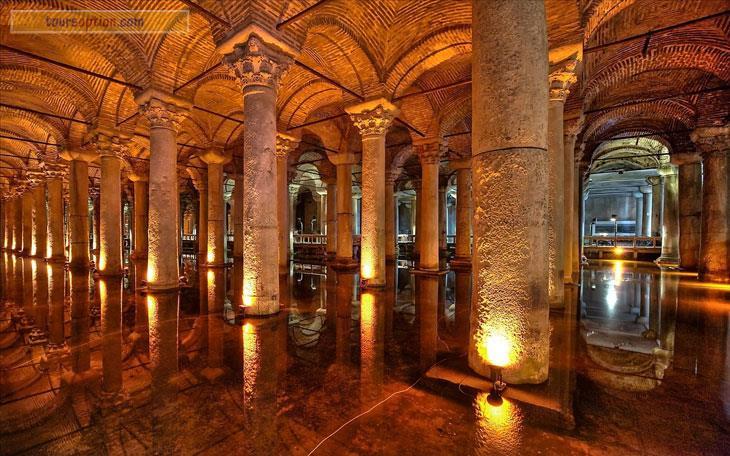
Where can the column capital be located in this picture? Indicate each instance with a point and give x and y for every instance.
(294, 188)
(430, 150)
(373, 117)
(391, 177)
(79, 154)
(140, 171)
(571, 127)
(109, 144)
(685, 158)
(55, 170)
(667, 169)
(285, 145)
(342, 158)
(561, 80)
(654, 180)
(256, 58)
(163, 110)
(712, 140)
(214, 155)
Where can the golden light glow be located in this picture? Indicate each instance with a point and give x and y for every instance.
(102, 260)
(49, 250)
(210, 256)
(151, 271)
(251, 361)
(102, 297)
(496, 348)
(618, 273)
(499, 426)
(366, 266)
(618, 251)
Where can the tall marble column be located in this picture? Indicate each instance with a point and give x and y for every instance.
(201, 185)
(258, 66)
(216, 241)
(429, 151)
(657, 204)
(78, 212)
(443, 245)
(714, 144)
(331, 216)
(238, 217)
(26, 202)
(509, 319)
(390, 228)
(285, 145)
(571, 128)
(344, 162)
(690, 208)
(638, 213)
(40, 221)
(54, 181)
(17, 214)
(670, 223)
(140, 184)
(462, 254)
(646, 192)
(112, 151)
(372, 118)
(560, 81)
(164, 113)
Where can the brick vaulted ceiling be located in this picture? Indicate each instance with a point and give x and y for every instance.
(663, 85)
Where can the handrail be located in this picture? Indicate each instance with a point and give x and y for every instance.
(629, 242)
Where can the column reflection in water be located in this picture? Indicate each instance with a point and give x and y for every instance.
(40, 294)
(343, 312)
(427, 305)
(498, 427)
(80, 322)
(56, 338)
(372, 346)
(110, 299)
(27, 287)
(138, 336)
(162, 310)
(216, 294)
(260, 342)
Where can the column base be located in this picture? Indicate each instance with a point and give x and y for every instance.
(372, 286)
(161, 287)
(212, 265)
(429, 272)
(667, 261)
(460, 263)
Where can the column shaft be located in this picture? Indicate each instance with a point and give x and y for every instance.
(216, 229)
(647, 211)
(443, 246)
(202, 221)
(40, 221)
(238, 217)
(372, 239)
(110, 230)
(390, 238)
(27, 233)
(509, 319)
(344, 213)
(428, 230)
(282, 208)
(463, 214)
(79, 214)
(17, 214)
(56, 251)
(713, 261)
(639, 214)
(690, 210)
(569, 201)
(331, 219)
(556, 200)
(141, 198)
(670, 223)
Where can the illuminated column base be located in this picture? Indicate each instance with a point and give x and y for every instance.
(510, 309)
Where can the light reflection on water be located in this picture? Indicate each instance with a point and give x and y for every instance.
(498, 426)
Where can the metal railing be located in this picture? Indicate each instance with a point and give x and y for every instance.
(626, 242)
(406, 238)
(310, 239)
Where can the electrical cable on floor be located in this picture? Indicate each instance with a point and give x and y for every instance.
(405, 390)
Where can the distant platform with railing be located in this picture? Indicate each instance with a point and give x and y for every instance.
(622, 246)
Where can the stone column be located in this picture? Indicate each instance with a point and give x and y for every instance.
(344, 162)
(443, 245)
(110, 300)
(646, 191)
(78, 218)
(429, 151)
(26, 202)
(216, 240)
(419, 199)
(638, 213)
(372, 118)
(690, 208)
(670, 223)
(140, 180)
(285, 145)
(165, 113)
(258, 66)
(714, 143)
(202, 186)
(657, 204)
(390, 228)
(331, 216)
(462, 257)
(509, 319)
(40, 221)
(559, 81)
(17, 214)
(292, 217)
(238, 217)
(54, 181)
(112, 152)
(571, 128)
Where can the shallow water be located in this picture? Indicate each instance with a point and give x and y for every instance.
(639, 365)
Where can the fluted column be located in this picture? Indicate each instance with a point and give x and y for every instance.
(344, 162)
(714, 144)
(331, 216)
(40, 221)
(285, 145)
(112, 150)
(238, 217)
(26, 202)
(140, 183)
(670, 219)
(462, 257)
(429, 151)
(54, 181)
(690, 208)
(372, 119)
(216, 241)
(258, 66)
(559, 81)
(164, 113)
(390, 228)
(509, 319)
(571, 129)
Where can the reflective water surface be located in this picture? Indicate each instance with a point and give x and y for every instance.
(639, 365)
